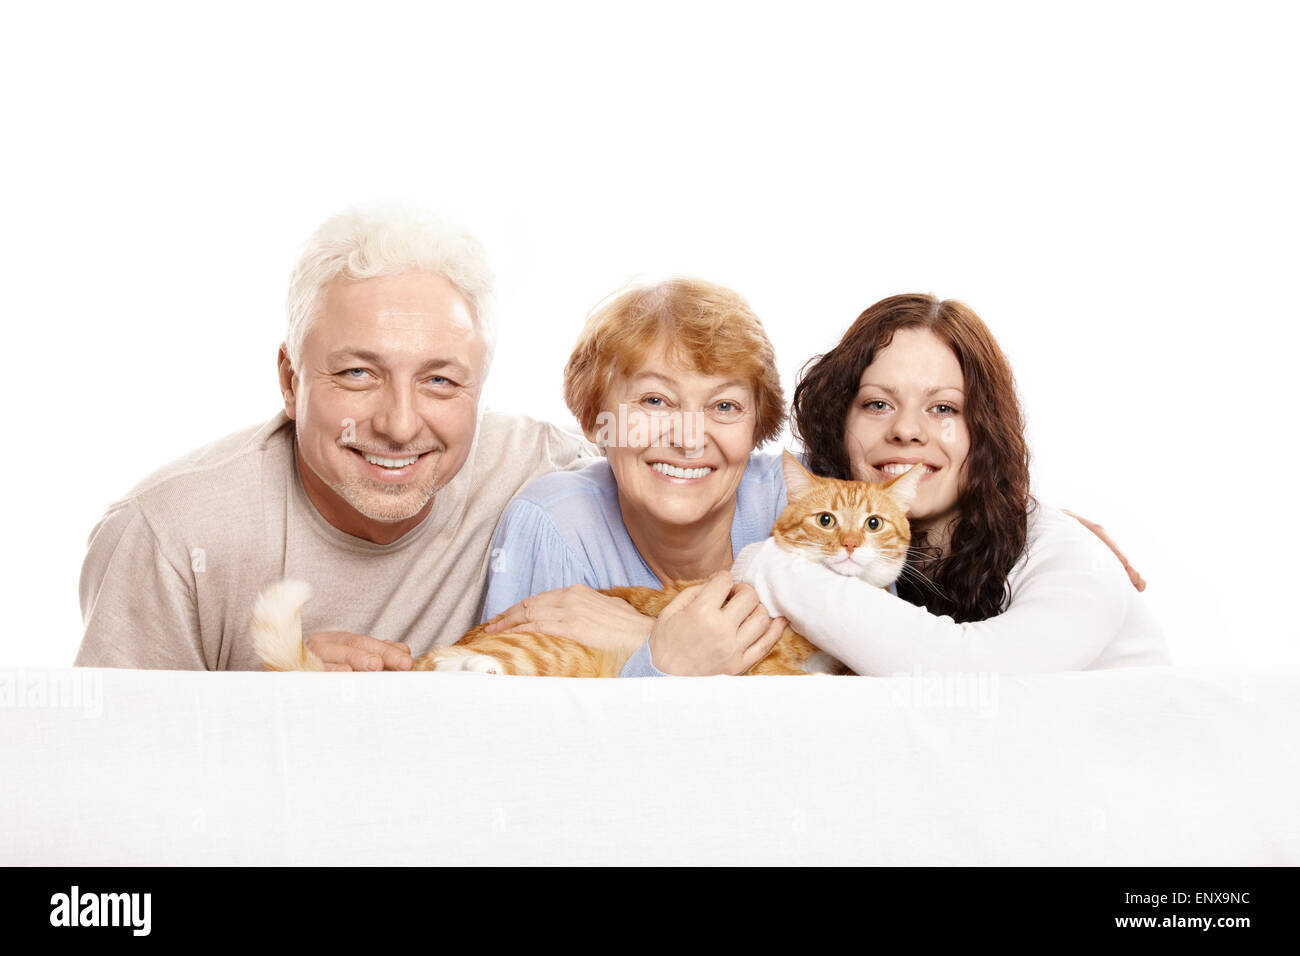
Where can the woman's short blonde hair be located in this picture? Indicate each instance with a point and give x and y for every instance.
(705, 327)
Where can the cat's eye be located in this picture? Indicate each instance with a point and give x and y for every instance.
(874, 523)
(826, 519)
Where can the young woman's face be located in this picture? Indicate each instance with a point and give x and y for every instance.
(908, 409)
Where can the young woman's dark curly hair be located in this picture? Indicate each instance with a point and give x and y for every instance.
(968, 580)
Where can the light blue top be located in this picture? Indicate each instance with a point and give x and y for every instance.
(566, 528)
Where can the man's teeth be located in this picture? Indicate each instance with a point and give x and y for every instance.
(390, 462)
(672, 471)
(894, 468)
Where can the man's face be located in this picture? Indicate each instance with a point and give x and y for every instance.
(385, 402)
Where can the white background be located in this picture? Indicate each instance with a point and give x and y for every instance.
(1112, 187)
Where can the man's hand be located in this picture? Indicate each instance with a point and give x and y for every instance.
(342, 651)
(1100, 532)
(580, 614)
(717, 627)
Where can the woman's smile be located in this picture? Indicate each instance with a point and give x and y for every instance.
(908, 411)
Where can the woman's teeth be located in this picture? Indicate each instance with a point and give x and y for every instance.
(899, 469)
(390, 462)
(672, 471)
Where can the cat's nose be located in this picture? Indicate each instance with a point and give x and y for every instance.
(851, 543)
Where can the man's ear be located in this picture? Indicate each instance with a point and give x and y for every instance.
(285, 371)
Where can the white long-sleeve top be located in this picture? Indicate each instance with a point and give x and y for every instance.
(1071, 607)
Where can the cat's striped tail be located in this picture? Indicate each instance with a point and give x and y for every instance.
(277, 628)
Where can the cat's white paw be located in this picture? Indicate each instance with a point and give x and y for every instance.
(482, 664)
(478, 663)
(821, 664)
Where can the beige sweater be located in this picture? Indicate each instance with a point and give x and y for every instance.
(173, 569)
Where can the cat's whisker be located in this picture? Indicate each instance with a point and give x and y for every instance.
(914, 576)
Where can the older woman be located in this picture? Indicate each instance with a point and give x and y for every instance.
(999, 581)
(677, 383)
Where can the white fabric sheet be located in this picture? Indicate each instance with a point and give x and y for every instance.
(1143, 766)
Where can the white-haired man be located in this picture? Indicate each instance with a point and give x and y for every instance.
(379, 483)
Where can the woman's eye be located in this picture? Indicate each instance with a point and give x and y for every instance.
(726, 411)
(876, 405)
(874, 523)
(826, 519)
(943, 409)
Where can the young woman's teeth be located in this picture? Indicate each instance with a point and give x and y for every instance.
(672, 471)
(897, 469)
(390, 462)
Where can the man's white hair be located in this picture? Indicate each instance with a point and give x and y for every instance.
(369, 241)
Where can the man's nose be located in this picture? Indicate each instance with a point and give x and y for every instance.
(396, 419)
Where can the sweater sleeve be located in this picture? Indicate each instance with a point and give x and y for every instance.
(529, 556)
(137, 602)
(1065, 607)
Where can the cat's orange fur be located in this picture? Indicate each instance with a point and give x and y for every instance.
(827, 520)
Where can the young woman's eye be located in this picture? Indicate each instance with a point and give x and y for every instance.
(876, 405)
(944, 409)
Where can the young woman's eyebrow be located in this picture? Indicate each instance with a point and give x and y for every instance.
(928, 392)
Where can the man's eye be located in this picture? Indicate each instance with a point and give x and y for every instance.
(348, 373)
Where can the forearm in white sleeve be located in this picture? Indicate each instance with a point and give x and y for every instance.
(1062, 614)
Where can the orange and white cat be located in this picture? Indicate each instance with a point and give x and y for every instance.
(854, 528)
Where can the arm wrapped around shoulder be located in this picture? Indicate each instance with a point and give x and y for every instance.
(1071, 607)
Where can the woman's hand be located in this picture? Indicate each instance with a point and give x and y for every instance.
(580, 614)
(1100, 532)
(717, 627)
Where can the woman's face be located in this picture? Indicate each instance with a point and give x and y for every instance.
(678, 441)
(908, 409)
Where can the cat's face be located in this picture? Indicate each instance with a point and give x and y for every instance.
(858, 529)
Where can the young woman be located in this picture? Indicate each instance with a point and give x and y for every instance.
(998, 581)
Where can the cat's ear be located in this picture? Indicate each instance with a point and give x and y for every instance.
(904, 487)
(797, 478)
